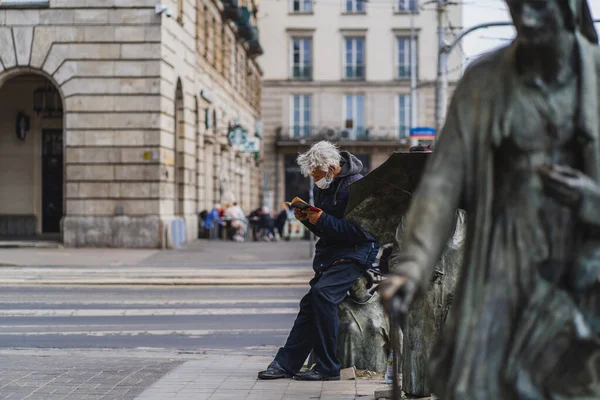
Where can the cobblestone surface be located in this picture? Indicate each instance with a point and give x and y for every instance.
(66, 377)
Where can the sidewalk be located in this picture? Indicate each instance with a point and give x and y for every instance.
(234, 377)
(158, 375)
(199, 263)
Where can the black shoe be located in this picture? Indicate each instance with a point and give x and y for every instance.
(274, 371)
(313, 375)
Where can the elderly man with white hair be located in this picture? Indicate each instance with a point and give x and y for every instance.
(343, 254)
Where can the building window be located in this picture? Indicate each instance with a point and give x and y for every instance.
(301, 6)
(302, 59)
(403, 58)
(354, 61)
(215, 41)
(404, 115)
(232, 63)
(206, 31)
(355, 6)
(354, 113)
(406, 5)
(199, 27)
(301, 115)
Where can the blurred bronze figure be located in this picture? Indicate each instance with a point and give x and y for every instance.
(520, 153)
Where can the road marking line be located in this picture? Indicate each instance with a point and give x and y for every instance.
(154, 302)
(164, 332)
(145, 312)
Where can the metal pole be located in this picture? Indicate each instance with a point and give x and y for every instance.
(311, 201)
(413, 77)
(441, 84)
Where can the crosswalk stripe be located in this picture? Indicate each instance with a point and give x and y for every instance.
(143, 312)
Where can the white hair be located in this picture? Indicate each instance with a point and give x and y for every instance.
(321, 156)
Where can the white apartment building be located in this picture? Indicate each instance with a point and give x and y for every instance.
(341, 70)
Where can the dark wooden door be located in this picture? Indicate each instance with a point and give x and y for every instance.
(52, 180)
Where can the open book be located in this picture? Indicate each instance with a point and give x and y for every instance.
(301, 204)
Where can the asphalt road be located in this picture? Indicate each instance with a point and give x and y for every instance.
(245, 319)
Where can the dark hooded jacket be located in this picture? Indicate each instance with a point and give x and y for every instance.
(340, 239)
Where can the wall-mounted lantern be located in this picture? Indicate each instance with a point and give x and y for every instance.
(22, 126)
(47, 102)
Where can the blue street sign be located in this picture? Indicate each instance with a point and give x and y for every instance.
(423, 131)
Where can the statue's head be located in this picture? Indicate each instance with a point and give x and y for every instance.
(540, 21)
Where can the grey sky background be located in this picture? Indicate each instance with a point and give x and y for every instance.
(485, 40)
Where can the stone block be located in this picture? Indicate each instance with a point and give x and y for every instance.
(7, 48)
(56, 16)
(105, 155)
(114, 190)
(91, 16)
(72, 190)
(23, 37)
(59, 52)
(105, 33)
(142, 16)
(138, 138)
(98, 138)
(141, 50)
(348, 374)
(130, 33)
(81, 3)
(111, 86)
(90, 207)
(113, 120)
(130, 68)
(134, 3)
(45, 36)
(137, 172)
(136, 103)
(140, 190)
(90, 172)
(140, 207)
(89, 103)
(92, 189)
(23, 16)
(153, 33)
(137, 155)
(114, 231)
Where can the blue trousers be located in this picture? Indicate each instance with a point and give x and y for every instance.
(317, 324)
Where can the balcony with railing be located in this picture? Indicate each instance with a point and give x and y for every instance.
(356, 72)
(302, 73)
(295, 134)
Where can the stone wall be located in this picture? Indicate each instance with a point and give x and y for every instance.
(117, 65)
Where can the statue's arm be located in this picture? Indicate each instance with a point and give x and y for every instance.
(589, 209)
(430, 219)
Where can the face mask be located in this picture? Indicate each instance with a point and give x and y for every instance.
(323, 183)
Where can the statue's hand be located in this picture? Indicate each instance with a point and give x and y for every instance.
(397, 293)
(567, 185)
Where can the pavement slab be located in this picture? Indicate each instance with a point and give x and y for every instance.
(66, 377)
(234, 377)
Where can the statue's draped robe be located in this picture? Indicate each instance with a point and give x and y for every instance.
(543, 349)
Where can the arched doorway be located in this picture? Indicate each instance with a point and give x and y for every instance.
(31, 157)
(179, 189)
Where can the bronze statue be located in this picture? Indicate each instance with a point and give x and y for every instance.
(520, 153)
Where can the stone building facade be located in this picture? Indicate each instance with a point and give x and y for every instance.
(343, 71)
(115, 117)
